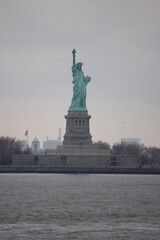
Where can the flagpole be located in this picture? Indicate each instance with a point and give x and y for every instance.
(27, 140)
(26, 134)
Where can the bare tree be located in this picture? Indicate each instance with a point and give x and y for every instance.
(151, 156)
(103, 145)
(126, 149)
(148, 156)
(8, 146)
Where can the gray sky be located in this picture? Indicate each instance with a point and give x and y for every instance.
(117, 40)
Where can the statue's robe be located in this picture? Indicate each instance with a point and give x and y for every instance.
(79, 89)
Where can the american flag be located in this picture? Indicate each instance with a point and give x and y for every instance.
(26, 133)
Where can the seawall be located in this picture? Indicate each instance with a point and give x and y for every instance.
(98, 170)
(68, 163)
(76, 161)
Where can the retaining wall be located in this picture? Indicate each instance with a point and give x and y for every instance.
(75, 160)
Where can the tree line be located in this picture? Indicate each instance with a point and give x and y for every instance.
(8, 147)
(148, 156)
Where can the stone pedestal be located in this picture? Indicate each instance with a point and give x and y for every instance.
(77, 128)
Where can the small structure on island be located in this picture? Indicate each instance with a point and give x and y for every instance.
(23, 145)
(35, 146)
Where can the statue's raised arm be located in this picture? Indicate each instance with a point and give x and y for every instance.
(74, 56)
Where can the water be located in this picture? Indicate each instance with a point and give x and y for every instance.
(79, 206)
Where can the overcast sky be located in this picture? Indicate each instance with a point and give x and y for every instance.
(119, 43)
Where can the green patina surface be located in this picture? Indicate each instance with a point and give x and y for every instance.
(79, 86)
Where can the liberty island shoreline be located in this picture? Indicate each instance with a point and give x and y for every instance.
(78, 170)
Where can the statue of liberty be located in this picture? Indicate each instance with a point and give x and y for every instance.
(79, 88)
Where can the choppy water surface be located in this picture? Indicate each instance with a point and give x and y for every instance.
(79, 206)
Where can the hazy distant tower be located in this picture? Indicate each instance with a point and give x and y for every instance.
(59, 138)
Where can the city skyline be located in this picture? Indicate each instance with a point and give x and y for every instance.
(118, 43)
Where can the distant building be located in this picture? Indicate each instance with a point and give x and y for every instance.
(128, 141)
(23, 145)
(35, 146)
(51, 144)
